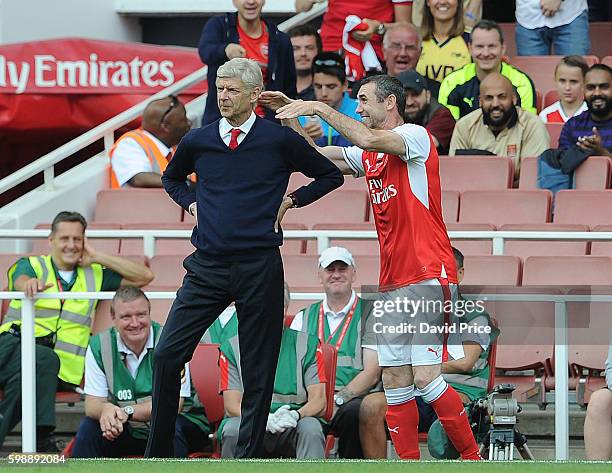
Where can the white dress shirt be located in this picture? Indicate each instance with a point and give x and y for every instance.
(334, 319)
(225, 129)
(95, 379)
(130, 159)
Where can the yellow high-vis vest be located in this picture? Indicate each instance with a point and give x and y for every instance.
(71, 321)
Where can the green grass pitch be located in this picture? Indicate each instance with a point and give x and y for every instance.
(292, 466)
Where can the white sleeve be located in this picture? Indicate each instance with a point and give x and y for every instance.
(95, 379)
(186, 383)
(352, 156)
(418, 143)
(128, 160)
(298, 321)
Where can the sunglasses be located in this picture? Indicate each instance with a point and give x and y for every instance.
(328, 63)
(173, 104)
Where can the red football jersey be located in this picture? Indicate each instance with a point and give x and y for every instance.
(407, 204)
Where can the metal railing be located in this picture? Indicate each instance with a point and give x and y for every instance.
(323, 237)
(28, 362)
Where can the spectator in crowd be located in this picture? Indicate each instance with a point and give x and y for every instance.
(61, 327)
(330, 87)
(246, 34)
(500, 127)
(444, 42)
(139, 157)
(402, 47)
(472, 13)
(341, 319)
(467, 370)
(569, 80)
(378, 15)
(293, 429)
(598, 420)
(119, 382)
(552, 27)
(306, 44)
(591, 131)
(423, 109)
(460, 90)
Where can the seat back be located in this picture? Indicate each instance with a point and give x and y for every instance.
(136, 206)
(554, 131)
(492, 270)
(525, 248)
(505, 206)
(330, 360)
(528, 179)
(602, 248)
(461, 173)
(163, 246)
(350, 206)
(585, 207)
(550, 97)
(205, 375)
(356, 247)
(471, 247)
(567, 270)
(593, 174)
(168, 270)
(450, 206)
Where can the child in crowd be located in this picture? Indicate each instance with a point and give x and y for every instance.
(569, 79)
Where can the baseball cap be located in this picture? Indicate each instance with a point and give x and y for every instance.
(411, 79)
(336, 253)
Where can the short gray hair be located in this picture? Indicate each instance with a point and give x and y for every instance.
(247, 70)
(402, 25)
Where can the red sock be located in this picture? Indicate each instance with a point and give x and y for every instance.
(403, 424)
(453, 418)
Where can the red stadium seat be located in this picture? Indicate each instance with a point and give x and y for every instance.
(291, 246)
(508, 30)
(602, 248)
(298, 180)
(541, 69)
(6, 261)
(505, 206)
(554, 130)
(525, 248)
(341, 205)
(538, 100)
(528, 178)
(356, 247)
(492, 270)
(593, 174)
(550, 97)
(163, 246)
(599, 31)
(106, 245)
(168, 270)
(586, 207)
(567, 270)
(450, 206)
(461, 173)
(471, 247)
(136, 206)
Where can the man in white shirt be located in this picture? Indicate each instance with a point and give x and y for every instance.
(341, 319)
(118, 385)
(546, 27)
(139, 157)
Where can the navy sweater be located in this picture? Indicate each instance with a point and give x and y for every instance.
(221, 30)
(238, 192)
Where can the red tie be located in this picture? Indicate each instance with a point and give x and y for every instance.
(233, 144)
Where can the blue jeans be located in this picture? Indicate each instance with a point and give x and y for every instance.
(572, 38)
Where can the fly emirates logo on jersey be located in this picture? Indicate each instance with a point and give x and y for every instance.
(379, 192)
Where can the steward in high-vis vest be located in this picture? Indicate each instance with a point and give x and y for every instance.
(119, 384)
(343, 320)
(294, 427)
(62, 326)
(139, 157)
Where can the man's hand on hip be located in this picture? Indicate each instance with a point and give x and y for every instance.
(285, 205)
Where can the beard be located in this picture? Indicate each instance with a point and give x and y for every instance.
(504, 119)
(599, 112)
(416, 117)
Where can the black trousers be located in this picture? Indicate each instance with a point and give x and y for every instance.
(345, 425)
(255, 282)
